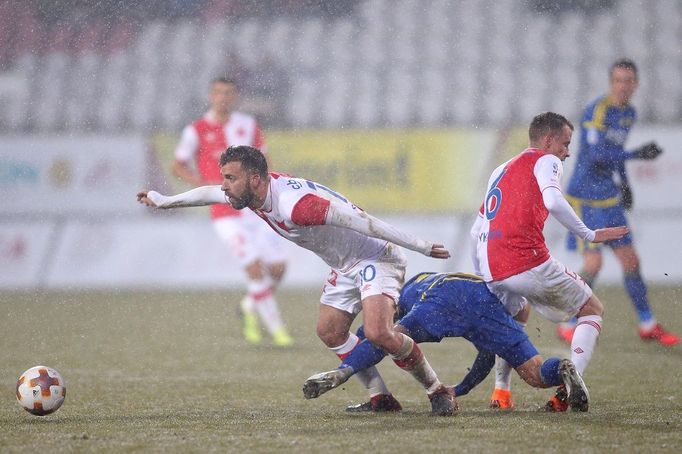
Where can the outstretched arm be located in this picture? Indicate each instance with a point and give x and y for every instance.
(557, 205)
(201, 196)
(342, 215)
(562, 211)
(312, 210)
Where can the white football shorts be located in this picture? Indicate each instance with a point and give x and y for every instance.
(382, 275)
(553, 290)
(249, 238)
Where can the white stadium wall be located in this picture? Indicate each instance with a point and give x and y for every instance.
(69, 220)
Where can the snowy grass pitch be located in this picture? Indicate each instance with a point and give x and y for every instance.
(169, 371)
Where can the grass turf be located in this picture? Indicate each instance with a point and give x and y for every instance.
(169, 372)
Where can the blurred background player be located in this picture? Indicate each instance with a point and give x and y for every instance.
(601, 201)
(253, 243)
(511, 254)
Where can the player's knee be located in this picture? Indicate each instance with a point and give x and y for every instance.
(592, 307)
(330, 336)
(592, 264)
(255, 270)
(630, 264)
(276, 271)
(378, 335)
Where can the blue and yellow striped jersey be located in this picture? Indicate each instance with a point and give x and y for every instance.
(604, 129)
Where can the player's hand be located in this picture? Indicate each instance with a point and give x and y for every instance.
(143, 199)
(626, 196)
(610, 234)
(648, 151)
(438, 251)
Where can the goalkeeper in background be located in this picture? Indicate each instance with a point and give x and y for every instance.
(600, 193)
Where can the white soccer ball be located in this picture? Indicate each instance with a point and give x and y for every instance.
(41, 390)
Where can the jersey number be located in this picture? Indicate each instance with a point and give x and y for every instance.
(493, 200)
(315, 186)
(368, 273)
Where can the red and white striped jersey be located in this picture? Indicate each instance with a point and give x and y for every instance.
(205, 140)
(512, 216)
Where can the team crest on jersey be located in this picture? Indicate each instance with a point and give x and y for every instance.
(210, 137)
(555, 169)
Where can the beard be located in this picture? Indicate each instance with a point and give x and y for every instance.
(242, 202)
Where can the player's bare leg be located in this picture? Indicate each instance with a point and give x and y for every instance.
(260, 298)
(333, 329)
(649, 328)
(276, 272)
(592, 263)
(378, 323)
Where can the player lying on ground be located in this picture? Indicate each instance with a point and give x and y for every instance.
(367, 268)
(438, 305)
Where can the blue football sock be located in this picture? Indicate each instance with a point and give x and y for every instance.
(549, 372)
(364, 355)
(637, 290)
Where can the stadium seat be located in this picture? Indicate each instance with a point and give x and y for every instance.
(431, 104)
(278, 41)
(303, 107)
(400, 96)
(336, 98)
(366, 95)
(308, 50)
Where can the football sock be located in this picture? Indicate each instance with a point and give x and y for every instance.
(260, 293)
(369, 377)
(503, 370)
(637, 290)
(584, 340)
(502, 374)
(364, 355)
(549, 372)
(411, 359)
(247, 305)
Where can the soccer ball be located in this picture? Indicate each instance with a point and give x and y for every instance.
(41, 390)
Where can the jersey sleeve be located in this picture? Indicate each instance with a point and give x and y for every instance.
(310, 210)
(201, 196)
(188, 145)
(548, 171)
(343, 215)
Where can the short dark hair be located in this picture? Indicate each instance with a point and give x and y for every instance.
(545, 123)
(624, 63)
(251, 158)
(224, 80)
